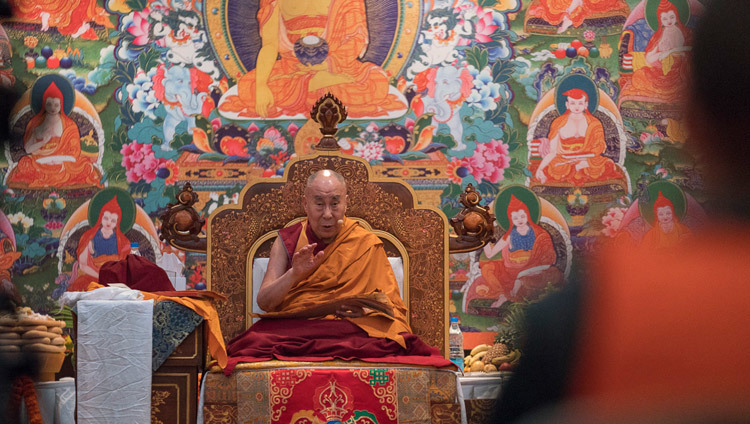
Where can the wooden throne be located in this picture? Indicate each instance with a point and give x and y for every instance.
(237, 235)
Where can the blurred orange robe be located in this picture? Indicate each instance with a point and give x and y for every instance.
(354, 263)
(553, 11)
(345, 31)
(667, 332)
(601, 168)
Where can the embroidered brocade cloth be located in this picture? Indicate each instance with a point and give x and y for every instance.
(172, 324)
(351, 394)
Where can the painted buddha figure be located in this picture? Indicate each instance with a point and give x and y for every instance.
(102, 243)
(567, 13)
(667, 231)
(576, 144)
(53, 146)
(660, 71)
(526, 265)
(328, 37)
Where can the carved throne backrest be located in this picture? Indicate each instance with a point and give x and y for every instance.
(387, 205)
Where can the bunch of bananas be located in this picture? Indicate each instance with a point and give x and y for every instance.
(491, 358)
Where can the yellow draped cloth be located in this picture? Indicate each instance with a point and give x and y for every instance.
(354, 263)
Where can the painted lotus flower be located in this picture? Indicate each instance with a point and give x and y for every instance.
(272, 139)
(485, 25)
(372, 150)
(141, 93)
(139, 162)
(486, 92)
(489, 161)
(456, 170)
(171, 170)
(234, 146)
(139, 27)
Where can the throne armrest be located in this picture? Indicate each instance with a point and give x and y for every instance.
(181, 224)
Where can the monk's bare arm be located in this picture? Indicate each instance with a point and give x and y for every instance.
(278, 280)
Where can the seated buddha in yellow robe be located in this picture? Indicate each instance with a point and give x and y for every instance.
(53, 144)
(328, 36)
(667, 232)
(576, 145)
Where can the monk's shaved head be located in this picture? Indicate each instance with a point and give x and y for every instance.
(325, 202)
(325, 173)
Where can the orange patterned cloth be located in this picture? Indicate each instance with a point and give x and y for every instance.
(667, 331)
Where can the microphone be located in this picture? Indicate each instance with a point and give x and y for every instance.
(340, 222)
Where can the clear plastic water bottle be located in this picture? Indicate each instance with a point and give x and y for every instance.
(134, 249)
(456, 343)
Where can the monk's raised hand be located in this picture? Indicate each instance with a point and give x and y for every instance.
(304, 261)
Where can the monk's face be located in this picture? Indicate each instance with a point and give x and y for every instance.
(325, 202)
(577, 105)
(668, 18)
(109, 220)
(664, 215)
(519, 218)
(52, 105)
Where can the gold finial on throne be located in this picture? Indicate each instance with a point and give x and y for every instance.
(329, 112)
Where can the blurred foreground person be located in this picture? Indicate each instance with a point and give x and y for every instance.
(662, 337)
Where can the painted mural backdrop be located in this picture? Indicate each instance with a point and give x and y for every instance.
(563, 113)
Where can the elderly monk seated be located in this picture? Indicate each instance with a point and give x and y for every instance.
(325, 258)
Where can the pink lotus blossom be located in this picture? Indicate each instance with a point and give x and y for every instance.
(612, 221)
(252, 128)
(489, 161)
(215, 124)
(484, 27)
(53, 225)
(139, 162)
(275, 137)
(292, 129)
(140, 28)
(409, 124)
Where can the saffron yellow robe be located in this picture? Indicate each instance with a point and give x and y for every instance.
(32, 172)
(345, 31)
(562, 168)
(354, 263)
